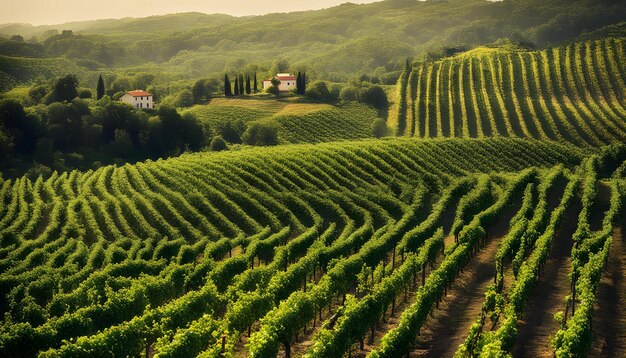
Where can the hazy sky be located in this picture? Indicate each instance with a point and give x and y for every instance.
(41, 12)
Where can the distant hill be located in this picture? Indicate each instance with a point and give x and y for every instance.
(573, 93)
(16, 70)
(162, 23)
(332, 42)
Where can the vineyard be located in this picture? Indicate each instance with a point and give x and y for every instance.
(324, 250)
(297, 122)
(574, 93)
(16, 70)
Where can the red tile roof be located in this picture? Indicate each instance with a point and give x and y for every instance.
(282, 78)
(139, 93)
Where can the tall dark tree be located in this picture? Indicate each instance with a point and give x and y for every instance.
(237, 86)
(19, 128)
(303, 82)
(100, 88)
(256, 88)
(248, 87)
(228, 91)
(241, 85)
(299, 83)
(66, 88)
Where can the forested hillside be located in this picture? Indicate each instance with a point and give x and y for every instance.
(573, 93)
(332, 43)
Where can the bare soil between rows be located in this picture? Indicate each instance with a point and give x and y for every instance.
(609, 317)
(548, 297)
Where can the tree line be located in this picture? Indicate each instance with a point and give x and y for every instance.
(246, 85)
(71, 131)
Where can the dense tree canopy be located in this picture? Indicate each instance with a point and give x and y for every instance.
(66, 88)
(332, 42)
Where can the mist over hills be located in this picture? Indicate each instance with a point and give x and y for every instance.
(331, 42)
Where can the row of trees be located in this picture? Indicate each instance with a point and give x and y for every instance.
(242, 85)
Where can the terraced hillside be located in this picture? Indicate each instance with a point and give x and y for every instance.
(575, 93)
(296, 249)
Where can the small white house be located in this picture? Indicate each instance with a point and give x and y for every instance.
(138, 99)
(287, 82)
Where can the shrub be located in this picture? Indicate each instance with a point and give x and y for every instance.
(319, 91)
(85, 93)
(261, 133)
(376, 97)
(379, 128)
(218, 144)
(184, 98)
(349, 94)
(272, 90)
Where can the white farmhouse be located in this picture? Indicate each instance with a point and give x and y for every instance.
(287, 82)
(138, 99)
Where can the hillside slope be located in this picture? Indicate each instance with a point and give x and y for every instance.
(122, 256)
(298, 122)
(575, 93)
(339, 40)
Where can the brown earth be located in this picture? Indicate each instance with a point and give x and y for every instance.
(447, 328)
(548, 297)
(609, 317)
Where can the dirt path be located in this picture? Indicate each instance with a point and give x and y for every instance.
(600, 206)
(447, 328)
(538, 323)
(391, 322)
(609, 318)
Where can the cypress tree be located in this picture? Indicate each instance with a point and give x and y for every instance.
(236, 85)
(241, 85)
(100, 88)
(299, 83)
(303, 83)
(256, 88)
(248, 87)
(227, 88)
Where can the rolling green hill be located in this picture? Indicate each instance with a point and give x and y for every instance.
(574, 93)
(298, 122)
(490, 225)
(240, 253)
(170, 255)
(14, 70)
(333, 42)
